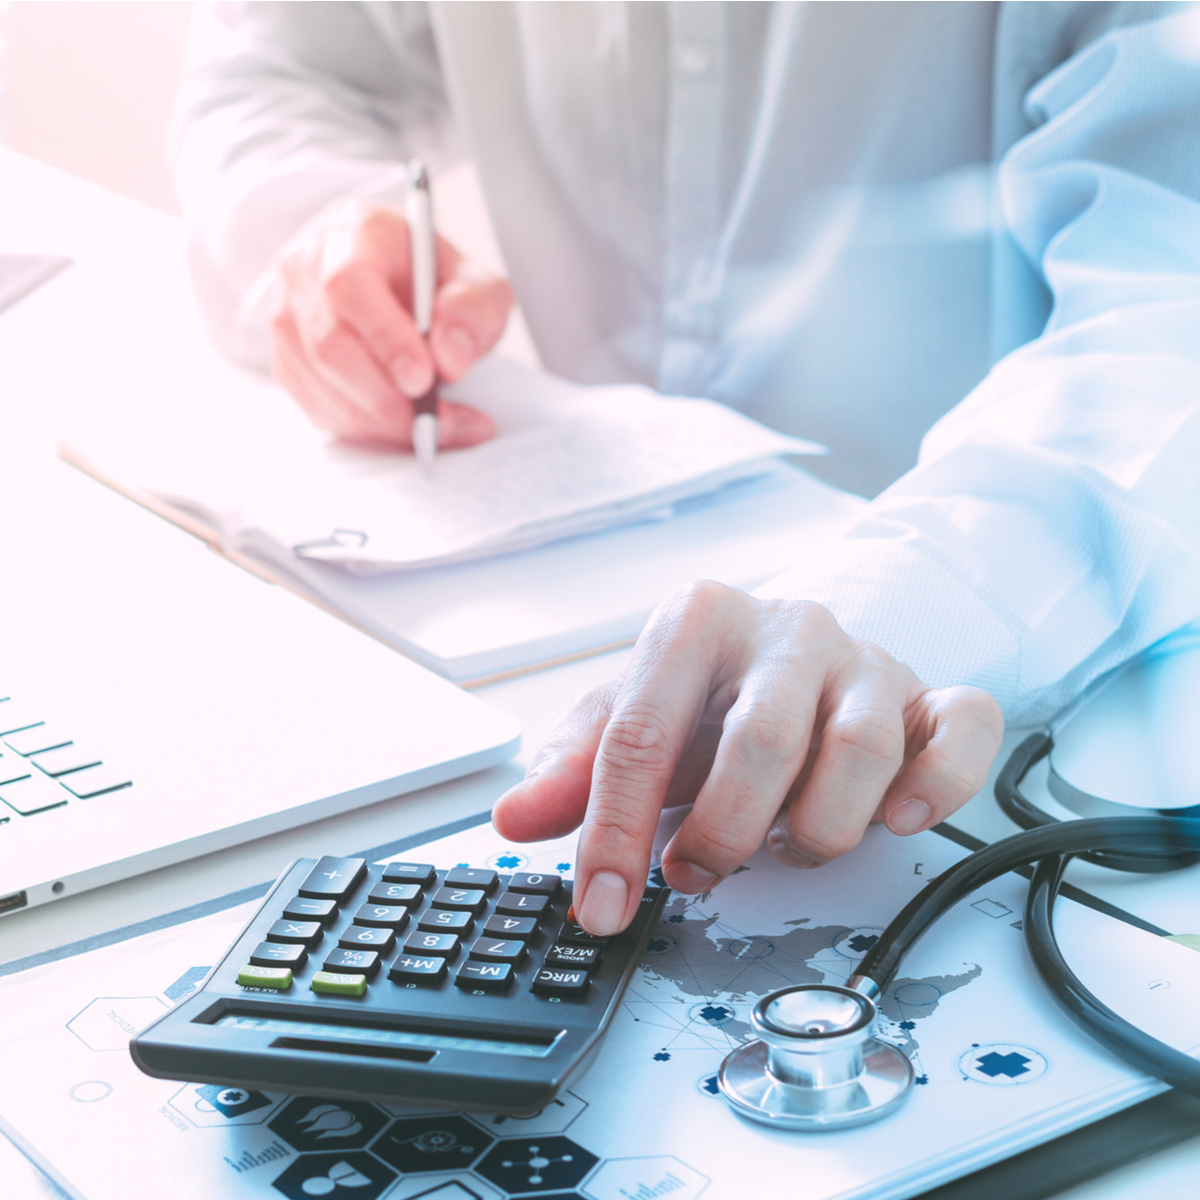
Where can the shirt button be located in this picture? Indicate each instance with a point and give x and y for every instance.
(695, 59)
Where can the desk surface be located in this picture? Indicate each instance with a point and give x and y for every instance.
(85, 345)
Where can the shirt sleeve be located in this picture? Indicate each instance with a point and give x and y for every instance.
(285, 108)
(1051, 527)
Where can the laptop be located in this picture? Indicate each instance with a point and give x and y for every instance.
(157, 703)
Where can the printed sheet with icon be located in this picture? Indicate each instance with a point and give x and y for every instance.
(998, 1067)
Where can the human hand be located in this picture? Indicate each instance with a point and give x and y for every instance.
(343, 339)
(780, 726)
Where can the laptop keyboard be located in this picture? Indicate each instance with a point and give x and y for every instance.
(43, 767)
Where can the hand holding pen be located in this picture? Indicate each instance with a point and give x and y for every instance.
(345, 339)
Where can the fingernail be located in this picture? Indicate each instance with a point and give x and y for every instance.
(787, 854)
(602, 909)
(412, 379)
(463, 343)
(688, 878)
(910, 817)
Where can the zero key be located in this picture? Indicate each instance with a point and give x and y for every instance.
(333, 878)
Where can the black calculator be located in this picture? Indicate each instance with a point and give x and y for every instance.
(404, 984)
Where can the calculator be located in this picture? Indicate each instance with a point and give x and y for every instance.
(405, 984)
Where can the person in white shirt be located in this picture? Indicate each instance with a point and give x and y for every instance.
(958, 243)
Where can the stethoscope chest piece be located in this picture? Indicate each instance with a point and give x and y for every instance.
(817, 1065)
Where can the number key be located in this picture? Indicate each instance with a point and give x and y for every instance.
(461, 899)
(432, 945)
(382, 916)
(536, 885)
(407, 894)
(372, 939)
(521, 904)
(487, 949)
(445, 920)
(520, 928)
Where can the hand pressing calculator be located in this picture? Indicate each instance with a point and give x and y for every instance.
(404, 984)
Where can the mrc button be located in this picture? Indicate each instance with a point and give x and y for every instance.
(557, 981)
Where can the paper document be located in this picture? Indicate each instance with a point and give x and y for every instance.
(999, 1068)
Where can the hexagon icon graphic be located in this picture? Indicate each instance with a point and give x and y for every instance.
(417, 1144)
(108, 1022)
(311, 1123)
(531, 1165)
(211, 1105)
(431, 1187)
(354, 1176)
(659, 1175)
(556, 1117)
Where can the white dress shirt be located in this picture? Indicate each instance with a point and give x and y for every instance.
(959, 243)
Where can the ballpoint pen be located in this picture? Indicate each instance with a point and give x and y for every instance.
(418, 212)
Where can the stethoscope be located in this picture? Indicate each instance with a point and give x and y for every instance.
(817, 1063)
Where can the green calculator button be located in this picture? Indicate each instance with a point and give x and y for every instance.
(268, 977)
(333, 983)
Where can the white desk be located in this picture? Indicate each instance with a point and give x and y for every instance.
(121, 321)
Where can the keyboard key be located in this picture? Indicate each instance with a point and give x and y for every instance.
(553, 981)
(576, 935)
(487, 949)
(586, 958)
(484, 977)
(382, 916)
(446, 920)
(96, 781)
(66, 759)
(13, 767)
(422, 874)
(536, 885)
(296, 933)
(520, 928)
(303, 909)
(373, 939)
(34, 794)
(411, 969)
(37, 738)
(407, 894)
(461, 899)
(14, 715)
(334, 983)
(432, 945)
(521, 904)
(470, 877)
(279, 978)
(352, 962)
(333, 878)
(275, 954)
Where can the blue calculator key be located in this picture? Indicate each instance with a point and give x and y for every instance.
(485, 976)
(304, 909)
(576, 935)
(433, 945)
(520, 928)
(296, 933)
(586, 958)
(471, 877)
(333, 878)
(382, 916)
(536, 885)
(489, 949)
(411, 968)
(364, 937)
(522, 904)
(560, 981)
(352, 962)
(276, 954)
(408, 894)
(439, 920)
(462, 899)
(422, 874)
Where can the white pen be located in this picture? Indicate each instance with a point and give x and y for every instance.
(418, 212)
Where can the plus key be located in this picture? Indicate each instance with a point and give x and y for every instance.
(333, 878)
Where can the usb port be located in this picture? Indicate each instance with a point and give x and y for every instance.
(16, 900)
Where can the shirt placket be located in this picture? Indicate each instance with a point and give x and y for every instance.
(697, 87)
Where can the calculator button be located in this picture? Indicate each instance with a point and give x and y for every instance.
(461, 899)
(487, 949)
(435, 945)
(361, 936)
(470, 877)
(520, 928)
(407, 894)
(556, 981)
(576, 935)
(422, 874)
(298, 933)
(484, 976)
(444, 919)
(334, 983)
(521, 904)
(279, 978)
(304, 909)
(384, 916)
(535, 885)
(333, 878)
(586, 958)
(352, 962)
(274, 954)
(411, 969)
